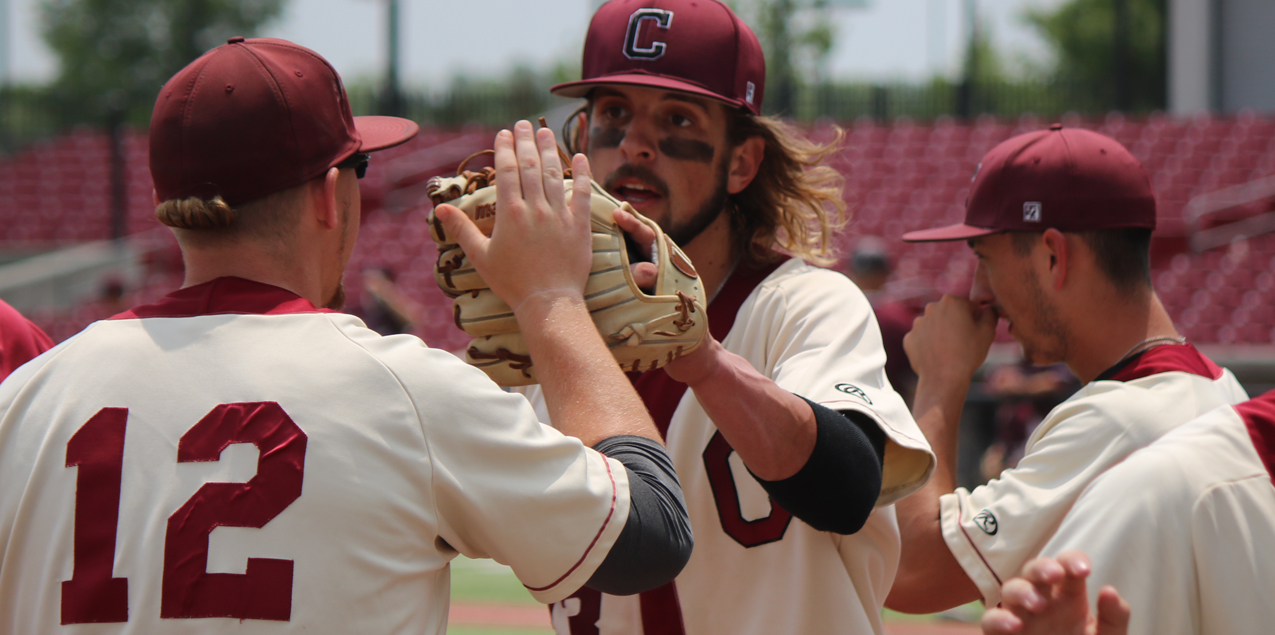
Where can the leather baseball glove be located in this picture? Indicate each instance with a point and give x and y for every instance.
(645, 329)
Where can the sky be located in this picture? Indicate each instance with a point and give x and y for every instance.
(887, 41)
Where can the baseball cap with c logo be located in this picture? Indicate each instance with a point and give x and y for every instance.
(693, 46)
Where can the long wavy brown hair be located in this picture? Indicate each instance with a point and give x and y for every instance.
(794, 204)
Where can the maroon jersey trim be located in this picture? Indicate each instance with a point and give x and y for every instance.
(661, 393)
(960, 522)
(1163, 359)
(660, 607)
(1259, 417)
(224, 296)
(605, 522)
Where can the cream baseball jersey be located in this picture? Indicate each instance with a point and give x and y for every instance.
(1185, 527)
(996, 528)
(755, 568)
(232, 457)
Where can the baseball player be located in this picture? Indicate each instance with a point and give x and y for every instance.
(1184, 527)
(788, 439)
(239, 458)
(20, 340)
(1050, 599)
(1061, 222)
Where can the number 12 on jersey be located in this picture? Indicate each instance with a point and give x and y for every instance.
(263, 592)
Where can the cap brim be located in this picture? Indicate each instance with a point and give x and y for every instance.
(951, 232)
(379, 133)
(581, 88)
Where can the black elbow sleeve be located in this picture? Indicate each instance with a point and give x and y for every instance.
(839, 485)
(656, 540)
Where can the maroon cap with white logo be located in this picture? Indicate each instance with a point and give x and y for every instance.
(694, 46)
(1068, 179)
(254, 117)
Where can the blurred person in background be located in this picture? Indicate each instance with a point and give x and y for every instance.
(385, 308)
(20, 340)
(869, 266)
(1025, 394)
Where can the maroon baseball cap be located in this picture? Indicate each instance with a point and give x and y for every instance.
(1068, 179)
(254, 117)
(694, 46)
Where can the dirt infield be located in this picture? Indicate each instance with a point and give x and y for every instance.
(498, 615)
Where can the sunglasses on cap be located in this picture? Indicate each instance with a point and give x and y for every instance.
(358, 162)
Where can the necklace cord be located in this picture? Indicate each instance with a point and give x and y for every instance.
(1158, 341)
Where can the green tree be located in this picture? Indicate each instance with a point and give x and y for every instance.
(1083, 34)
(796, 36)
(116, 54)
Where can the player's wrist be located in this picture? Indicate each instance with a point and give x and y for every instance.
(945, 378)
(535, 307)
(698, 367)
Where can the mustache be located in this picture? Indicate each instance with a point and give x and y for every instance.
(642, 173)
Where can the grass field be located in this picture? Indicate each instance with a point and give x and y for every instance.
(487, 582)
(476, 583)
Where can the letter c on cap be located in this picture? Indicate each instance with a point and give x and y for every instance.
(663, 18)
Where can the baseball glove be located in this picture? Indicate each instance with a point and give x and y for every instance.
(644, 329)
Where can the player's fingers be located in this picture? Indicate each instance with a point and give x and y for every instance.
(508, 187)
(551, 175)
(1001, 622)
(529, 170)
(1043, 572)
(1022, 597)
(581, 187)
(462, 229)
(641, 233)
(985, 318)
(644, 275)
(1113, 612)
(1076, 567)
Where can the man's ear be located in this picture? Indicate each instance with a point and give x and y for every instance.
(323, 195)
(582, 134)
(745, 160)
(1059, 251)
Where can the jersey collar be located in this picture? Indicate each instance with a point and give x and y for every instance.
(224, 296)
(1162, 359)
(1258, 415)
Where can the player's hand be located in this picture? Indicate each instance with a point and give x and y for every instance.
(1050, 599)
(698, 365)
(950, 340)
(644, 273)
(540, 245)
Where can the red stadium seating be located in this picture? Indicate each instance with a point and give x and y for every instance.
(899, 176)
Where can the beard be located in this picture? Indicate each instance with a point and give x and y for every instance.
(1048, 344)
(337, 301)
(683, 233)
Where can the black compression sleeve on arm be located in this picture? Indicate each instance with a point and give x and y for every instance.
(838, 486)
(656, 541)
